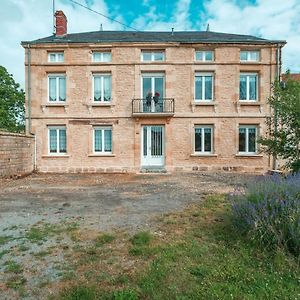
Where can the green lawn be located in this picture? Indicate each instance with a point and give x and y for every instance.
(194, 255)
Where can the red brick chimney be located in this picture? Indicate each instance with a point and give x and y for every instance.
(61, 23)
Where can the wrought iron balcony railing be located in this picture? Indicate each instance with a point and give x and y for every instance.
(153, 107)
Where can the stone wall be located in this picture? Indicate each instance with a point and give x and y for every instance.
(16, 154)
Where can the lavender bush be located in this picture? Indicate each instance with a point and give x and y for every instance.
(268, 211)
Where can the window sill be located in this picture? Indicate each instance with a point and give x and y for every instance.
(204, 155)
(247, 155)
(56, 104)
(102, 155)
(101, 104)
(249, 103)
(55, 156)
(204, 103)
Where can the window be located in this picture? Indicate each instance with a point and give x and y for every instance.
(204, 55)
(204, 139)
(248, 87)
(102, 87)
(102, 56)
(55, 57)
(153, 56)
(249, 56)
(203, 87)
(247, 139)
(102, 139)
(57, 140)
(57, 88)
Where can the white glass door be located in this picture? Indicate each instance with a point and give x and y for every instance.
(152, 145)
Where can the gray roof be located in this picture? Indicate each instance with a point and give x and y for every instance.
(152, 37)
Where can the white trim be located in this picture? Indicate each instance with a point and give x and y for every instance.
(247, 127)
(203, 127)
(203, 75)
(152, 53)
(248, 86)
(101, 56)
(248, 59)
(101, 75)
(57, 77)
(102, 152)
(57, 128)
(203, 58)
(56, 60)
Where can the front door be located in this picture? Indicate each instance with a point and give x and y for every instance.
(153, 90)
(153, 145)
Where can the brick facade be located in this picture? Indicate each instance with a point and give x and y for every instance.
(79, 114)
(16, 154)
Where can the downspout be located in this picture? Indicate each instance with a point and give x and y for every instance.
(278, 71)
(29, 87)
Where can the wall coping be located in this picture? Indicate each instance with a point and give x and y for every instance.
(4, 133)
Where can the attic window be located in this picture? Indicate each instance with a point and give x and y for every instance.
(55, 57)
(153, 56)
(249, 56)
(204, 55)
(101, 56)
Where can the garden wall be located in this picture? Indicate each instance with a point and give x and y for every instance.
(16, 154)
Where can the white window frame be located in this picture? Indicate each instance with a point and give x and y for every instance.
(101, 56)
(203, 127)
(103, 152)
(57, 128)
(152, 53)
(249, 55)
(56, 57)
(247, 127)
(198, 74)
(56, 76)
(248, 86)
(101, 75)
(203, 52)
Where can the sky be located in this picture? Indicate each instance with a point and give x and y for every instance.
(24, 20)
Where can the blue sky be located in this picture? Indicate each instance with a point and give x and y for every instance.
(30, 19)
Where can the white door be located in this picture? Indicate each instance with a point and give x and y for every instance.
(153, 145)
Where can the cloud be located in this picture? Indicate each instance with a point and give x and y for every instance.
(271, 19)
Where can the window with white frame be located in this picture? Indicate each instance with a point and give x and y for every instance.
(55, 57)
(203, 141)
(101, 87)
(102, 139)
(153, 56)
(249, 87)
(57, 139)
(249, 56)
(204, 86)
(57, 88)
(104, 56)
(201, 55)
(248, 139)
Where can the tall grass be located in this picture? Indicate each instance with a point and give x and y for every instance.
(268, 211)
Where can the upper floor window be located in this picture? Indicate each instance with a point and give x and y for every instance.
(57, 139)
(101, 56)
(203, 87)
(203, 139)
(204, 55)
(249, 86)
(153, 55)
(55, 57)
(249, 56)
(103, 139)
(102, 87)
(247, 139)
(57, 88)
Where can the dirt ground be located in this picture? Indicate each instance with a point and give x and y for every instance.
(105, 202)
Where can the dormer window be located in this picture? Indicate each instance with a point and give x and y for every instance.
(153, 56)
(204, 55)
(55, 57)
(249, 56)
(104, 56)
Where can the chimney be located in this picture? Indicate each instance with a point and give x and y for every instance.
(61, 23)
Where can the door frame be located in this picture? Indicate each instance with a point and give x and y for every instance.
(142, 145)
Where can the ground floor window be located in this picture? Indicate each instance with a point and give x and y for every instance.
(103, 139)
(57, 139)
(247, 139)
(203, 139)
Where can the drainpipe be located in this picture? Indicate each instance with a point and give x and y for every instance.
(29, 87)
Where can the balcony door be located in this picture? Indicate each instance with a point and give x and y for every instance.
(152, 146)
(153, 92)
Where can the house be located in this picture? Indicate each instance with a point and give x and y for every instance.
(125, 101)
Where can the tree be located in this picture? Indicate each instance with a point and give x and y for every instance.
(12, 100)
(283, 134)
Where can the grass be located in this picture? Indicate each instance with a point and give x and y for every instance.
(16, 282)
(4, 239)
(13, 267)
(199, 256)
(103, 239)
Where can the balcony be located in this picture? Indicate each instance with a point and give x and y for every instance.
(161, 107)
